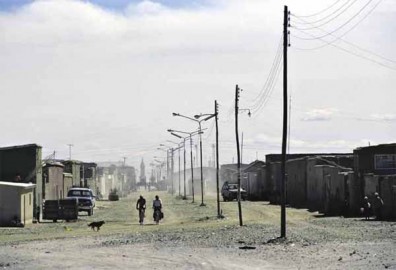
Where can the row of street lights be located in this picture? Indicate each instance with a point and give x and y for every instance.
(198, 119)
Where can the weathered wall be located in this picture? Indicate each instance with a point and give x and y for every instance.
(67, 182)
(15, 201)
(273, 172)
(388, 195)
(53, 182)
(297, 182)
(315, 186)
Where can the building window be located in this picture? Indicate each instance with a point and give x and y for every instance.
(385, 162)
(30, 199)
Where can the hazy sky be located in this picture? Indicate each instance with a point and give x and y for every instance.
(106, 76)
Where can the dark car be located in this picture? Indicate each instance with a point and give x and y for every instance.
(230, 192)
(86, 199)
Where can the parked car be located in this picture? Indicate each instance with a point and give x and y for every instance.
(86, 199)
(230, 192)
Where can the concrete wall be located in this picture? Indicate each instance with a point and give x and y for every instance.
(335, 190)
(388, 195)
(16, 201)
(53, 182)
(67, 182)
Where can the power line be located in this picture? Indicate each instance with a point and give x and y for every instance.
(340, 27)
(345, 33)
(271, 87)
(351, 52)
(330, 20)
(278, 53)
(323, 10)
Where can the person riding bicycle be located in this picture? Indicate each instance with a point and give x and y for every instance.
(157, 205)
(141, 206)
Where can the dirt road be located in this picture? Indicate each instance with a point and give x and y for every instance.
(191, 237)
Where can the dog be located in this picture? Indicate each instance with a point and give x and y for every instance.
(96, 224)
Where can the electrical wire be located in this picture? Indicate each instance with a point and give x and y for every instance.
(350, 52)
(340, 27)
(273, 82)
(322, 11)
(326, 17)
(322, 24)
(345, 33)
(270, 86)
(278, 53)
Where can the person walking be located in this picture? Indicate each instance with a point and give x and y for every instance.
(378, 204)
(366, 208)
(141, 207)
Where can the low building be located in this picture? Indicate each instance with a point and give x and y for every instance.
(254, 181)
(26, 161)
(375, 171)
(16, 203)
(53, 181)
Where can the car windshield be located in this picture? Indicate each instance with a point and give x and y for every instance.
(79, 193)
(233, 186)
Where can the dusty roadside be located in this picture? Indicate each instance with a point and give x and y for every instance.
(191, 237)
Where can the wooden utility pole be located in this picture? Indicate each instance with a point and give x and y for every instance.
(238, 154)
(284, 133)
(217, 160)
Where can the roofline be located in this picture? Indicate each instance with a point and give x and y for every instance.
(20, 146)
(19, 185)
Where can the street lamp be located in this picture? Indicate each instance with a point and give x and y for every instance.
(200, 150)
(178, 148)
(209, 116)
(173, 132)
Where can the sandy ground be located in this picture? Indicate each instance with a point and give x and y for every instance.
(189, 238)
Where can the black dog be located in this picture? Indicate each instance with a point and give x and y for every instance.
(96, 224)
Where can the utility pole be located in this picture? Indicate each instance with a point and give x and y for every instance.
(172, 170)
(70, 146)
(179, 175)
(184, 168)
(217, 159)
(237, 89)
(284, 133)
(242, 148)
(192, 168)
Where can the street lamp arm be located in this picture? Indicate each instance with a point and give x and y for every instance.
(174, 134)
(178, 114)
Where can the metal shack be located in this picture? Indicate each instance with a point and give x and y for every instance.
(16, 202)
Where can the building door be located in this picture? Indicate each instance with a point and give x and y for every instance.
(327, 193)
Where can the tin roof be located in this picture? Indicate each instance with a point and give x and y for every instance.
(20, 146)
(21, 185)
